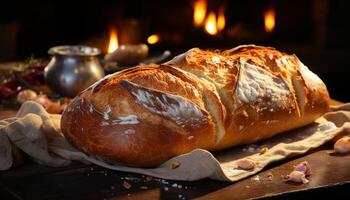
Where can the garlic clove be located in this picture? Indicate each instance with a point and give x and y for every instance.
(304, 167)
(26, 95)
(54, 108)
(342, 146)
(175, 164)
(43, 100)
(263, 150)
(246, 164)
(297, 177)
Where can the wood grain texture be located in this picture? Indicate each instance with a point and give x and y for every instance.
(328, 170)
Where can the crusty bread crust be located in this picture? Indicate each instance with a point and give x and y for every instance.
(213, 100)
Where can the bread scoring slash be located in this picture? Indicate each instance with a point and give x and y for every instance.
(213, 100)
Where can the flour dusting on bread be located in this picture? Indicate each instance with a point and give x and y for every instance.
(256, 84)
(309, 75)
(180, 110)
(130, 119)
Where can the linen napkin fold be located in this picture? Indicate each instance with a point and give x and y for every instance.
(38, 134)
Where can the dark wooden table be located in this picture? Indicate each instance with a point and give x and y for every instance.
(331, 176)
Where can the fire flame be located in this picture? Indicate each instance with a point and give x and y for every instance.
(221, 19)
(269, 20)
(210, 24)
(200, 9)
(152, 39)
(113, 40)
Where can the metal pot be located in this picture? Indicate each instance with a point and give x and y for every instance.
(72, 69)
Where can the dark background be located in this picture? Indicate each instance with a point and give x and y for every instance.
(317, 31)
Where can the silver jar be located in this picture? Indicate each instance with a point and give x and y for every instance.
(72, 69)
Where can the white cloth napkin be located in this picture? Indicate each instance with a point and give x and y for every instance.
(38, 134)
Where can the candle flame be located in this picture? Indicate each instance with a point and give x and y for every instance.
(210, 24)
(200, 9)
(269, 20)
(152, 39)
(221, 19)
(113, 40)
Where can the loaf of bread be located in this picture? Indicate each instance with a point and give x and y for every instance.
(213, 100)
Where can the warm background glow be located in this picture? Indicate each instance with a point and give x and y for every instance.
(269, 20)
(221, 19)
(200, 9)
(152, 39)
(210, 24)
(113, 40)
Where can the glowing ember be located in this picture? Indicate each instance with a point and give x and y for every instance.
(221, 19)
(210, 24)
(200, 9)
(152, 39)
(269, 20)
(113, 40)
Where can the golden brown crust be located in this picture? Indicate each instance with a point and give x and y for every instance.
(304, 97)
(133, 116)
(201, 99)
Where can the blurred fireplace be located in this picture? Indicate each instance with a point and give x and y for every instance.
(316, 30)
(316, 23)
(296, 22)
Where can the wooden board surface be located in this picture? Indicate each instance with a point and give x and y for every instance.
(331, 175)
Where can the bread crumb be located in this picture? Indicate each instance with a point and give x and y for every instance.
(175, 164)
(263, 150)
(270, 176)
(126, 185)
